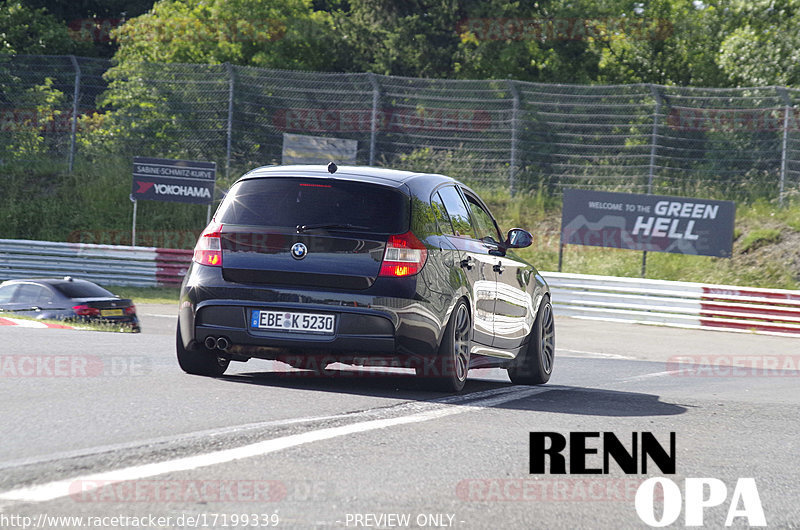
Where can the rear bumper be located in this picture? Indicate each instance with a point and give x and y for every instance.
(368, 323)
(367, 330)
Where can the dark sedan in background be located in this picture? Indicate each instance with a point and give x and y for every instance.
(66, 299)
(312, 265)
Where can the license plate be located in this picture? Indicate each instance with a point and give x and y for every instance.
(111, 312)
(288, 321)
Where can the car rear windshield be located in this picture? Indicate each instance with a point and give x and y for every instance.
(81, 290)
(289, 202)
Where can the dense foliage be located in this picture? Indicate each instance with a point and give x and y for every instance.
(716, 43)
(142, 107)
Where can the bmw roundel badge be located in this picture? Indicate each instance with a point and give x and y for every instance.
(299, 251)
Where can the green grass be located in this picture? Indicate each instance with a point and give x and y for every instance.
(762, 210)
(758, 238)
(147, 295)
(92, 206)
(91, 326)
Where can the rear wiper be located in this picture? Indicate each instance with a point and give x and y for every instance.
(337, 226)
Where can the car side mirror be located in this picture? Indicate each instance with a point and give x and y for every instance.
(518, 238)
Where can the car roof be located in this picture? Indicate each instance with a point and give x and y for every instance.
(47, 281)
(375, 175)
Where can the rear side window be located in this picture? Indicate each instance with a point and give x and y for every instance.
(440, 214)
(7, 292)
(30, 293)
(484, 224)
(289, 202)
(457, 211)
(81, 290)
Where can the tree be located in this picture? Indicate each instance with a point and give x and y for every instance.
(26, 30)
(401, 37)
(76, 9)
(269, 33)
(668, 42)
(764, 46)
(90, 22)
(537, 41)
(464, 39)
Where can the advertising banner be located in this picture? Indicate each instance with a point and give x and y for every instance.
(653, 223)
(159, 179)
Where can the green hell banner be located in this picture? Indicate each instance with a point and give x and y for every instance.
(653, 223)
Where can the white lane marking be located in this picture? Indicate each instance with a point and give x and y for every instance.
(61, 488)
(157, 315)
(235, 429)
(595, 354)
(649, 376)
(163, 440)
(24, 323)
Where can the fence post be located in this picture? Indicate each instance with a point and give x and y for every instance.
(787, 105)
(75, 96)
(653, 145)
(654, 138)
(133, 223)
(229, 69)
(512, 171)
(376, 93)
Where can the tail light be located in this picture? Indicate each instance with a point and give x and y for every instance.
(208, 250)
(84, 310)
(130, 310)
(405, 255)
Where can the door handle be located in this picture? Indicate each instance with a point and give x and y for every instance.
(498, 268)
(466, 263)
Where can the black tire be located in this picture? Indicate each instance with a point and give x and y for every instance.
(448, 371)
(199, 361)
(534, 364)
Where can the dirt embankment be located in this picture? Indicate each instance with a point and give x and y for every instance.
(769, 246)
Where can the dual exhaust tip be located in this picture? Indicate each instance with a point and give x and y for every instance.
(217, 343)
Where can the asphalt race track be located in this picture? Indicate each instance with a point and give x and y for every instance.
(106, 426)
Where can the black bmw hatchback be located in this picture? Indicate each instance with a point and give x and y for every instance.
(312, 265)
(67, 299)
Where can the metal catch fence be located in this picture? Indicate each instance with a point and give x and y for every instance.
(61, 110)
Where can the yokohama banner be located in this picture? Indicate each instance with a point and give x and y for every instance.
(655, 223)
(158, 179)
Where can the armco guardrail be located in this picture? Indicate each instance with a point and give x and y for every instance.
(683, 304)
(104, 264)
